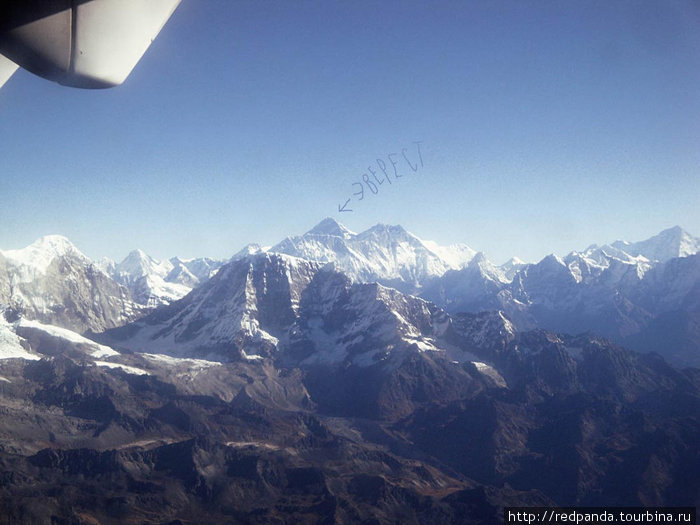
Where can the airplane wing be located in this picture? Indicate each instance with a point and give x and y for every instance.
(7, 69)
(79, 43)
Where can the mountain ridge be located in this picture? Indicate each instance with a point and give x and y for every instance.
(603, 288)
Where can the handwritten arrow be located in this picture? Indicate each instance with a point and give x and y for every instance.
(343, 208)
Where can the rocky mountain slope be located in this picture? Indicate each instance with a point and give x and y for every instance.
(429, 418)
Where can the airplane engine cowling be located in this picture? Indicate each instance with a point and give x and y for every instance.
(88, 43)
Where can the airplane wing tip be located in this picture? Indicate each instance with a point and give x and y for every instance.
(7, 69)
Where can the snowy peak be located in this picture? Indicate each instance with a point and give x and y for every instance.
(41, 253)
(53, 282)
(362, 324)
(57, 244)
(181, 274)
(385, 233)
(330, 226)
(202, 268)
(153, 283)
(479, 259)
(107, 265)
(241, 311)
(671, 243)
(456, 255)
(511, 267)
(552, 261)
(266, 303)
(249, 249)
(138, 264)
(484, 267)
(605, 262)
(147, 279)
(513, 261)
(384, 253)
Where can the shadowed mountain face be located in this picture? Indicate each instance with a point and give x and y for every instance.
(533, 418)
(241, 311)
(237, 442)
(281, 390)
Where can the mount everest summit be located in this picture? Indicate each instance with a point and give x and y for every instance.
(386, 254)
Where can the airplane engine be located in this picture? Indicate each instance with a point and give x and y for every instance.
(79, 43)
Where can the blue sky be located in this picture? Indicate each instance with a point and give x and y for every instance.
(545, 126)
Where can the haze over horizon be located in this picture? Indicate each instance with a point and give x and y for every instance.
(543, 129)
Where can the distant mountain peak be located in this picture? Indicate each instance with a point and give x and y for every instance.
(248, 249)
(478, 258)
(673, 230)
(668, 244)
(552, 260)
(330, 226)
(138, 255)
(53, 241)
(139, 263)
(42, 252)
(55, 244)
(388, 253)
(511, 267)
(389, 232)
(388, 228)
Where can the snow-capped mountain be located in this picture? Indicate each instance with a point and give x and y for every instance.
(668, 244)
(619, 291)
(386, 254)
(300, 312)
(280, 379)
(474, 288)
(201, 268)
(361, 324)
(240, 312)
(603, 289)
(53, 282)
(146, 279)
(511, 267)
(153, 283)
(36, 258)
(249, 249)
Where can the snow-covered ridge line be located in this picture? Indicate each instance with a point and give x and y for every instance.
(384, 253)
(11, 344)
(38, 256)
(330, 241)
(97, 350)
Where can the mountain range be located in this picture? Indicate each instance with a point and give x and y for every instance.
(344, 378)
(643, 295)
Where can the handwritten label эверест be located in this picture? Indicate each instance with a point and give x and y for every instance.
(373, 178)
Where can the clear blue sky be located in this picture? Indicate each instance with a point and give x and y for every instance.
(545, 126)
